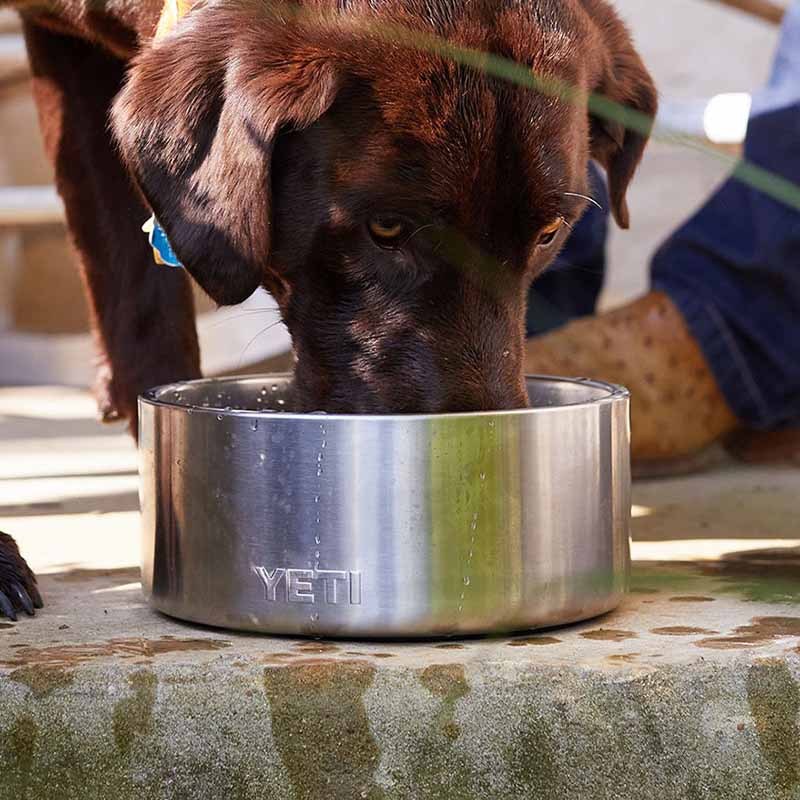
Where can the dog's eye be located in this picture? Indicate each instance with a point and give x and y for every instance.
(386, 231)
(548, 234)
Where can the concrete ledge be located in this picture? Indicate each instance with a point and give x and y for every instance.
(692, 690)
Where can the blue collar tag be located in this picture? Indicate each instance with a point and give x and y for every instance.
(162, 249)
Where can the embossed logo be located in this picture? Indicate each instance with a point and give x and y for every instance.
(331, 586)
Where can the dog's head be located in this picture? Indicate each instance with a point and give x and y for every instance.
(394, 197)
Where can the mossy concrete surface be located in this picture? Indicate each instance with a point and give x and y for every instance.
(690, 690)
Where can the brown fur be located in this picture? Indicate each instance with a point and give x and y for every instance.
(265, 137)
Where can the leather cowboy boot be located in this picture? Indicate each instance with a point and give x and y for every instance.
(678, 413)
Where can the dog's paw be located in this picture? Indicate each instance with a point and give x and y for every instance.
(107, 408)
(18, 589)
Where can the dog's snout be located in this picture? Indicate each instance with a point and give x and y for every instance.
(443, 396)
(435, 392)
(484, 398)
(467, 380)
(484, 373)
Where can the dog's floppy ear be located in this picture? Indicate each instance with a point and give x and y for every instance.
(196, 125)
(623, 79)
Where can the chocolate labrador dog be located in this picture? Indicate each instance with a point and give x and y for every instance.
(396, 199)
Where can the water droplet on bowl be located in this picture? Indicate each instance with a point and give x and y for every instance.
(275, 387)
(262, 457)
(254, 425)
(220, 417)
(483, 476)
(506, 353)
(466, 580)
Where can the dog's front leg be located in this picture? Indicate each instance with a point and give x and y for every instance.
(18, 589)
(143, 315)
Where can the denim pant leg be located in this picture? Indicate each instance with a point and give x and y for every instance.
(734, 268)
(571, 285)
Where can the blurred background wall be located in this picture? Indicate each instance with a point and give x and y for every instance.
(695, 49)
(36, 256)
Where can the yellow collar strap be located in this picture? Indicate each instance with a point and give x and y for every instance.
(173, 11)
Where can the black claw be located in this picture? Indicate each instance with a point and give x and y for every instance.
(6, 608)
(23, 598)
(37, 598)
(18, 590)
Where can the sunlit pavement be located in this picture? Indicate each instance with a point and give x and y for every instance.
(697, 668)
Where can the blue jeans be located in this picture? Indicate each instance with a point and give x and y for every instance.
(733, 269)
(572, 284)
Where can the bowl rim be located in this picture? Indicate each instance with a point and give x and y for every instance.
(615, 394)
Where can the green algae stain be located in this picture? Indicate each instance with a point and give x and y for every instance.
(652, 577)
(448, 682)
(693, 791)
(774, 699)
(321, 729)
(765, 588)
(437, 766)
(767, 576)
(133, 715)
(46, 752)
(770, 575)
(531, 761)
(42, 680)
(20, 748)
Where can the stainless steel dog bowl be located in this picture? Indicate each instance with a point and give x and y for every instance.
(383, 526)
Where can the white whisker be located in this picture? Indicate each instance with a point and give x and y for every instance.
(583, 197)
(418, 230)
(244, 313)
(247, 346)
